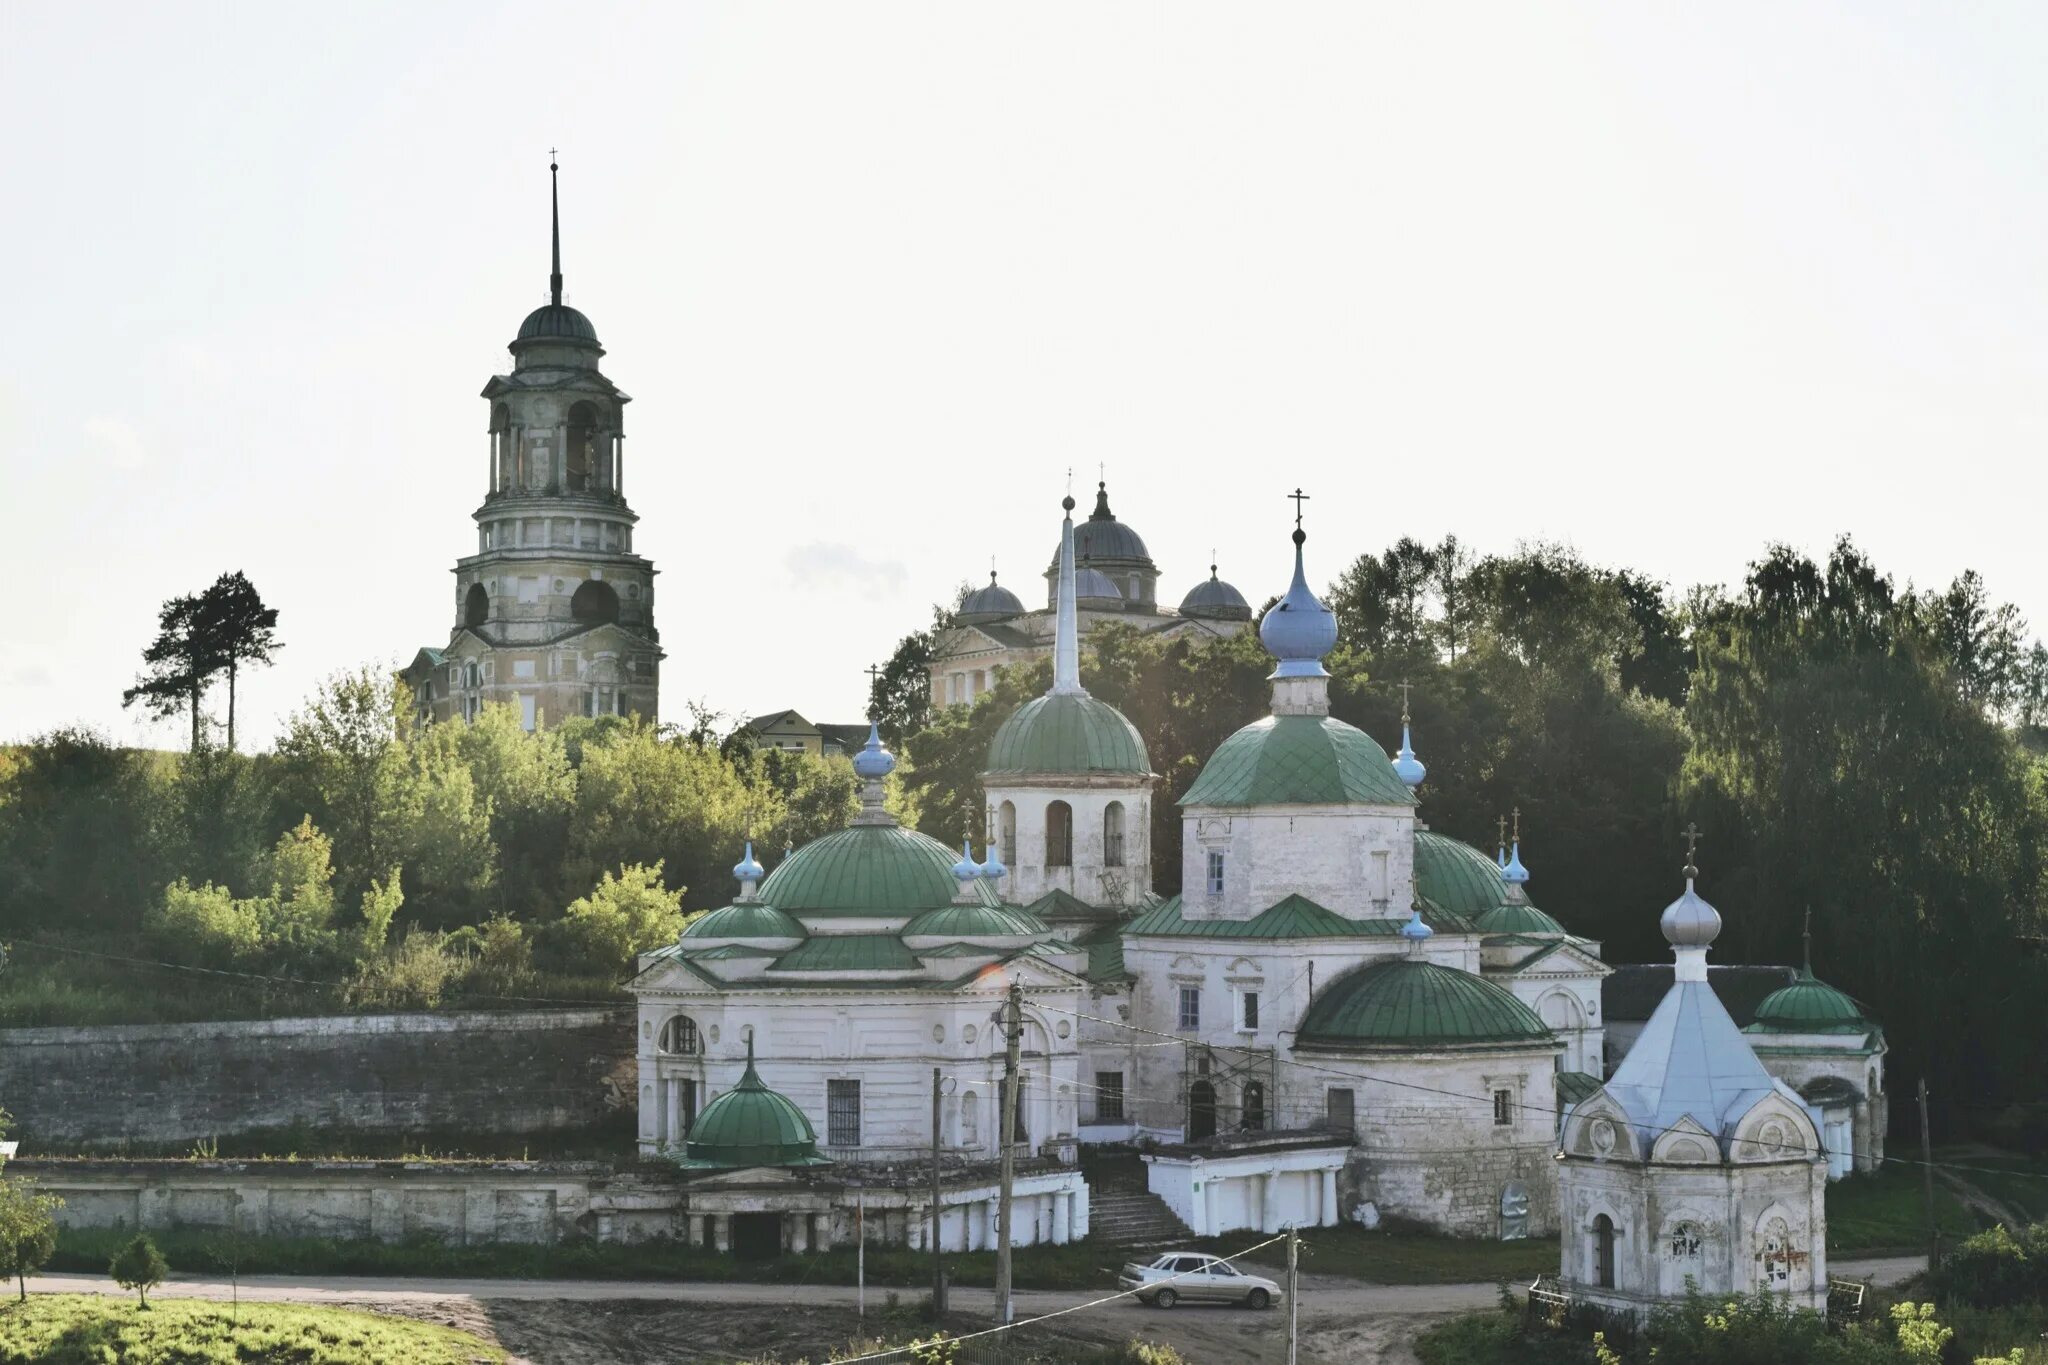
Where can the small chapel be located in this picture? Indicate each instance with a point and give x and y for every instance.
(554, 612)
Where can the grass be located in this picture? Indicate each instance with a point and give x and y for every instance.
(1386, 1257)
(86, 1329)
(1887, 1212)
(2019, 1181)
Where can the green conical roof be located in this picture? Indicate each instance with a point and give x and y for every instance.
(880, 870)
(1409, 1001)
(748, 919)
(1809, 1006)
(1299, 760)
(1067, 732)
(751, 1125)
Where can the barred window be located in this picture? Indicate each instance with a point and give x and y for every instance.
(679, 1036)
(1503, 1108)
(1109, 1097)
(842, 1113)
(1215, 871)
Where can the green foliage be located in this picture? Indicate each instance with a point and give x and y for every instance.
(139, 1266)
(1995, 1269)
(623, 916)
(28, 1229)
(87, 1329)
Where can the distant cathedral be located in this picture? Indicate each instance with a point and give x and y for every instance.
(554, 613)
(1115, 580)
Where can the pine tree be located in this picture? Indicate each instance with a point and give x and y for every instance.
(177, 665)
(236, 628)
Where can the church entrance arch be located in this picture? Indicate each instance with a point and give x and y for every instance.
(757, 1236)
(1603, 1252)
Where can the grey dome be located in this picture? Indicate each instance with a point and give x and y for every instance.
(1689, 922)
(557, 322)
(990, 603)
(1217, 600)
(1102, 536)
(1093, 588)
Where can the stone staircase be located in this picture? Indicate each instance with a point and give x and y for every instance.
(1133, 1218)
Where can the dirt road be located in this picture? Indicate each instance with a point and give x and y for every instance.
(628, 1322)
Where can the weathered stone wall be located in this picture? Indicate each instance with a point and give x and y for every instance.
(505, 1074)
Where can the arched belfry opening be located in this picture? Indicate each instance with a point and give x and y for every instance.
(595, 603)
(580, 468)
(476, 606)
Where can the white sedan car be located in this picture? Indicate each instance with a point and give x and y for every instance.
(1196, 1278)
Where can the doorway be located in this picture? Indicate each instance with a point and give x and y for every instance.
(1201, 1111)
(757, 1236)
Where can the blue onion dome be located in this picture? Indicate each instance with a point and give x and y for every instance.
(557, 322)
(1299, 630)
(869, 871)
(1410, 1002)
(992, 866)
(746, 920)
(1407, 766)
(1093, 591)
(966, 869)
(991, 603)
(751, 1125)
(1512, 872)
(1215, 600)
(746, 869)
(1065, 733)
(873, 761)
(1689, 922)
(1415, 930)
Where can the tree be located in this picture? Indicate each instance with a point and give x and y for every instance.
(341, 760)
(139, 1266)
(235, 628)
(900, 697)
(624, 916)
(178, 665)
(28, 1229)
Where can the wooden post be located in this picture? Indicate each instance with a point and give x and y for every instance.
(1293, 1293)
(1013, 1031)
(938, 1266)
(860, 1253)
(1927, 1181)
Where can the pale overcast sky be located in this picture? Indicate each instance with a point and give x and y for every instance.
(1665, 281)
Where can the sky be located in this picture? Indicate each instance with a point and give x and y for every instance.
(1667, 282)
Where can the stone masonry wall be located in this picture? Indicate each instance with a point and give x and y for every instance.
(499, 1074)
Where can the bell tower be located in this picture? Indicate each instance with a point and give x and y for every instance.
(554, 613)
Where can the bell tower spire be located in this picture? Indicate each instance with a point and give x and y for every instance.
(555, 204)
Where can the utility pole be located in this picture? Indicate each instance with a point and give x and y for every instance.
(860, 1252)
(938, 1266)
(1293, 1292)
(1927, 1181)
(1013, 1037)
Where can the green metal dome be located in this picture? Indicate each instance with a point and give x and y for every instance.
(1299, 760)
(975, 921)
(1068, 732)
(1456, 876)
(749, 919)
(751, 1125)
(1517, 917)
(879, 870)
(1411, 1002)
(1809, 1006)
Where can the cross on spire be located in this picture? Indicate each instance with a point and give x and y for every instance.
(1404, 702)
(1298, 498)
(1692, 841)
(1500, 824)
(555, 204)
(1806, 941)
(1518, 824)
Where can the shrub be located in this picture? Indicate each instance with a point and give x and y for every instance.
(1995, 1270)
(139, 1266)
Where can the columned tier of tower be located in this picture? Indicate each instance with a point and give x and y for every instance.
(558, 524)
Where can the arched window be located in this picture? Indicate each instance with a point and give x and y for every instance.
(580, 460)
(1006, 830)
(1775, 1251)
(1254, 1106)
(678, 1036)
(970, 1120)
(1603, 1252)
(1201, 1111)
(595, 603)
(1059, 834)
(501, 448)
(1113, 834)
(476, 606)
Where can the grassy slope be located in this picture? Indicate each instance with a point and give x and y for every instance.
(1888, 1212)
(84, 1329)
(1404, 1257)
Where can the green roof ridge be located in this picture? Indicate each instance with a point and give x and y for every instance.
(848, 953)
(1296, 916)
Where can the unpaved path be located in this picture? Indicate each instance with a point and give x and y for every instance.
(628, 1322)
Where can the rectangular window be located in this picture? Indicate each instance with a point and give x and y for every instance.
(522, 668)
(1248, 1011)
(1109, 1097)
(1190, 1007)
(842, 1113)
(1342, 1109)
(1215, 871)
(1503, 1108)
(528, 714)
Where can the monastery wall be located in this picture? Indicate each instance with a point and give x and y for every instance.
(497, 1074)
